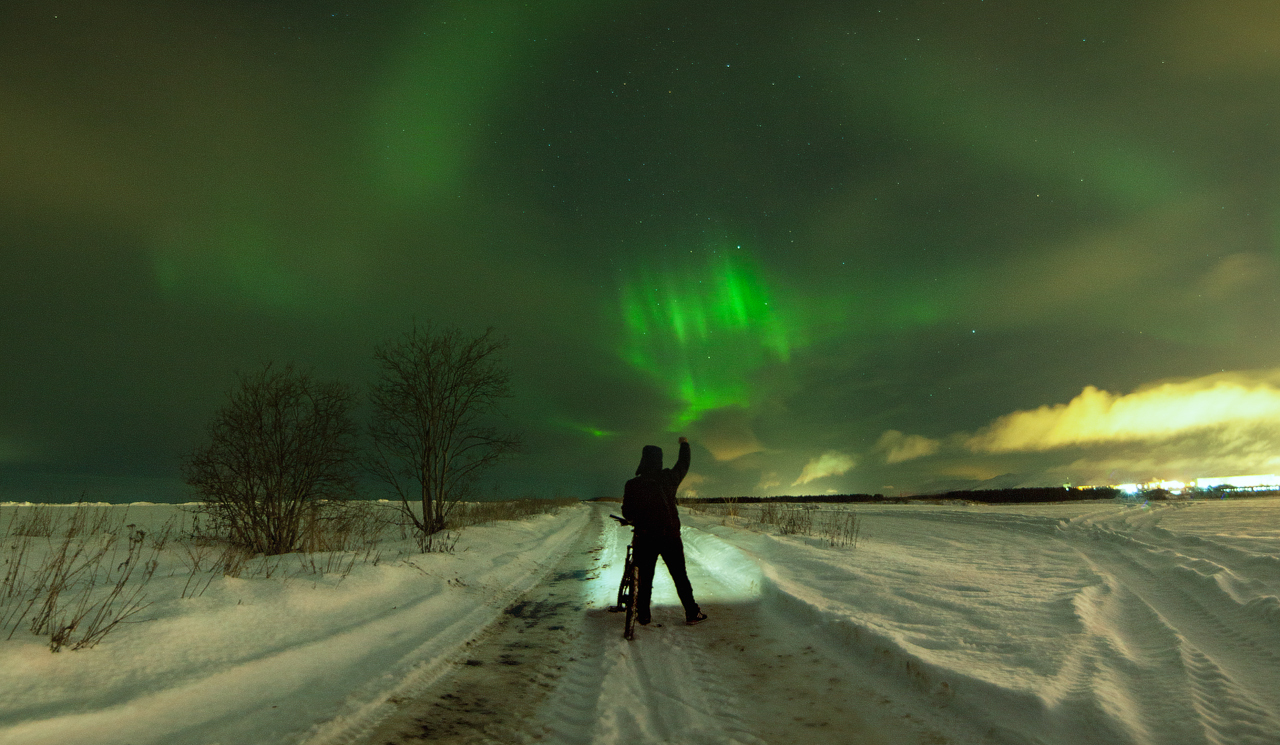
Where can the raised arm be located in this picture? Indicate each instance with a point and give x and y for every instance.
(682, 463)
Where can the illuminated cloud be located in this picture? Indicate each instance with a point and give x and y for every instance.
(1230, 403)
(726, 432)
(1237, 274)
(1231, 36)
(830, 463)
(689, 485)
(768, 481)
(898, 447)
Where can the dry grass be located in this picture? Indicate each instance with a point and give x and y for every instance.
(839, 528)
(74, 580)
(466, 514)
(334, 541)
(75, 573)
(475, 513)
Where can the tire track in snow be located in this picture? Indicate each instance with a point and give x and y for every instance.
(663, 687)
(556, 670)
(1127, 667)
(1246, 576)
(1224, 648)
(776, 674)
(1137, 666)
(659, 688)
(501, 676)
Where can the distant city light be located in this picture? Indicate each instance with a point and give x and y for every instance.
(1260, 482)
(1265, 481)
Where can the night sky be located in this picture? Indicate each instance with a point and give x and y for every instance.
(842, 246)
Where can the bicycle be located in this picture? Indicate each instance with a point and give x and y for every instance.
(627, 588)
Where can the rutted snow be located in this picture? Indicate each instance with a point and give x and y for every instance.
(1077, 623)
(1057, 623)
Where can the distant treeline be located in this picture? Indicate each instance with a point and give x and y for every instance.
(986, 496)
(1033, 494)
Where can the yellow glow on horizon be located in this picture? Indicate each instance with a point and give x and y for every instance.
(1233, 401)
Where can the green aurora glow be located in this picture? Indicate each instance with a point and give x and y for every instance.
(701, 332)
(784, 230)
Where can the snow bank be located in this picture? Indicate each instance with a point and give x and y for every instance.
(272, 660)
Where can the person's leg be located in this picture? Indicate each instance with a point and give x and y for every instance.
(645, 556)
(673, 557)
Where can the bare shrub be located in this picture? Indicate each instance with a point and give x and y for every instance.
(280, 451)
(430, 431)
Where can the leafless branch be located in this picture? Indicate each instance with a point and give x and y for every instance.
(431, 403)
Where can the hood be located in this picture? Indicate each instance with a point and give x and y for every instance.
(650, 460)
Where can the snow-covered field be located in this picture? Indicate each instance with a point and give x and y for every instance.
(1077, 623)
(1098, 623)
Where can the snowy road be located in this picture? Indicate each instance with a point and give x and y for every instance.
(555, 669)
(1102, 623)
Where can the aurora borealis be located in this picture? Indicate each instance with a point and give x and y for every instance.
(842, 246)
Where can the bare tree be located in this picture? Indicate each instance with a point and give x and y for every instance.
(282, 445)
(431, 406)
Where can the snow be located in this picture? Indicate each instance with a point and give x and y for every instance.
(268, 660)
(1057, 623)
(1070, 623)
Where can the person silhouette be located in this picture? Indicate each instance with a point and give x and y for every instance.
(649, 505)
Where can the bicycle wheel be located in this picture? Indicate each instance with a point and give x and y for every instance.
(623, 583)
(633, 579)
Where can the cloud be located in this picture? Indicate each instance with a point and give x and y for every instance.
(689, 486)
(726, 433)
(898, 447)
(768, 481)
(830, 463)
(1237, 275)
(1232, 403)
(1125, 272)
(1231, 36)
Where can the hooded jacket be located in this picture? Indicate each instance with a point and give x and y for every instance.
(649, 499)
